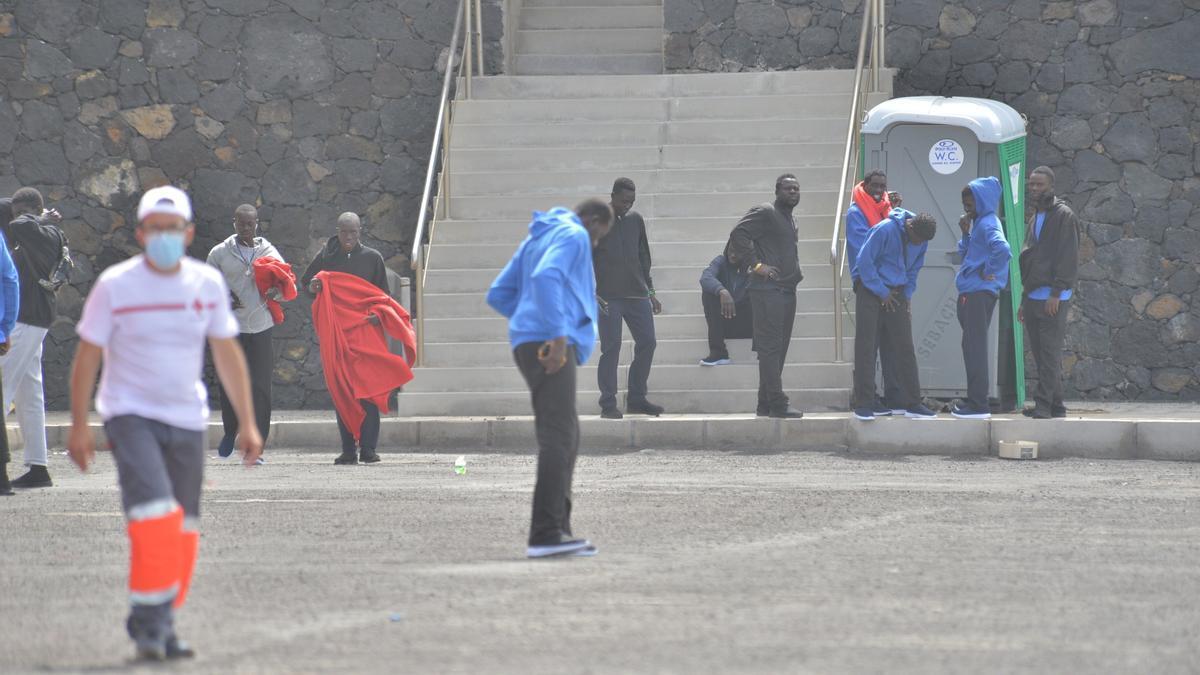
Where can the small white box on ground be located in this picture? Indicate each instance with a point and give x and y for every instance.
(1018, 449)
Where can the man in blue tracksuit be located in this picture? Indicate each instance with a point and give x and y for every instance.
(983, 274)
(886, 278)
(548, 293)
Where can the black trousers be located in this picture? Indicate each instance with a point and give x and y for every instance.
(774, 318)
(368, 432)
(1046, 334)
(887, 334)
(557, 428)
(260, 358)
(720, 329)
(975, 315)
(5, 453)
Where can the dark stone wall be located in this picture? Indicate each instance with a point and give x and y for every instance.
(306, 108)
(1112, 92)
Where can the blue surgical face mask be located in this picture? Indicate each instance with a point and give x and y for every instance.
(165, 249)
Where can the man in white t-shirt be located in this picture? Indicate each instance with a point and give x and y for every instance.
(148, 319)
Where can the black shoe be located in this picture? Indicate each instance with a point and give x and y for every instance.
(369, 457)
(36, 477)
(347, 458)
(1058, 412)
(1036, 414)
(644, 408)
(762, 411)
(178, 649)
(611, 414)
(788, 413)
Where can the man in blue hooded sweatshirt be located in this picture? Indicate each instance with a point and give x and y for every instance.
(983, 274)
(548, 293)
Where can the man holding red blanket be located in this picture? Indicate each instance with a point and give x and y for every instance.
(872, 205)
(351, 319)
(240, 259)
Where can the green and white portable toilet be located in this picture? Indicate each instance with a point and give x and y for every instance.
(931, 147)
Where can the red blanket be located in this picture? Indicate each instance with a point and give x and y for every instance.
(358, 365)
(875, 211)
(274, 273)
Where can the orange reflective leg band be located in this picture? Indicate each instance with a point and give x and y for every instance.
(190, 546)
(155, 530)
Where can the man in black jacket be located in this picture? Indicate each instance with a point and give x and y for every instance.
(1049, 267)
(626, 292)
(344, 252)
(36, 245)
(727, 310)
(766, 239)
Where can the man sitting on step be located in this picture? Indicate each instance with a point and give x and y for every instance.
(626, 291)
(726, 306)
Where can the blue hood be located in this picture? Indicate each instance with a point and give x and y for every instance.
(548, 289)
(985, 252)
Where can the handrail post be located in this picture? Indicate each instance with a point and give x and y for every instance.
(466, 9)
(479, 35)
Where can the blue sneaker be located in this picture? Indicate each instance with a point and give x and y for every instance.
(864, 414)
(225, 448)
(920, 412)
(882, 410)
(965, 413)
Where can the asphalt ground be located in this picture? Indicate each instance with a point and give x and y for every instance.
(709, 562)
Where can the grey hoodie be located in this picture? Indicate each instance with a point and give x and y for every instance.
(237, 268)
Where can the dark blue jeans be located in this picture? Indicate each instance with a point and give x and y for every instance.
(638, 315)
(975, 315)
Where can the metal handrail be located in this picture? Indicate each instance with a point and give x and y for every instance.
(437, 151)
(873, 27)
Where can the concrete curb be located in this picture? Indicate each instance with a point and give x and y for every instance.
(1094, 438)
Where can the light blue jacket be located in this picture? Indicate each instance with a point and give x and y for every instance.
(10, 293)
(886, 260)
(548, 289)
(985, 251)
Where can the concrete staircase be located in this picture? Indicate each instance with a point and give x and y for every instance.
(589, 37)
(702, 149)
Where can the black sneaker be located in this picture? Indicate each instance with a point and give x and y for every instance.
(562, 548)
(1058, 412)
(788, 413)
(368, 457)
(347, 458)
(179, 649)
(36, 477)
(644, 408)
(716, 360)
(611, 414)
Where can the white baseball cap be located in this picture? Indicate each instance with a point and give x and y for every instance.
(166, 199)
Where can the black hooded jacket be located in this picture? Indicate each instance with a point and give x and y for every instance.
(1053, 259)
(363, 262)
(36, 247)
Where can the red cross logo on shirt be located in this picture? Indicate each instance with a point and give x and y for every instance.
(198, 306)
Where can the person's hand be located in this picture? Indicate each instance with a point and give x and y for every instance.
(895, 198)
(52, 215)
(553, 355)
(235, 301)
(1021, 313)
(1052, 306)
(4, 347)
(250, 443)
(655, 305)
(373, 319)
(987, 277)
(767, 272)
(964, 224)
(314, 286)
(81, 446)
(890, 303)
(728, 306)
(274, 294)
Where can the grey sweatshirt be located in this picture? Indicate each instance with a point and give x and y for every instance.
(237, 266)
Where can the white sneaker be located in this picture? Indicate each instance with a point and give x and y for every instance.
(565, 548)
(589, 552)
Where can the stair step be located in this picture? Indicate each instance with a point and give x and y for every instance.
(590, 134)
(660, 230)
(593, 41)
(730, 204)
(567, 18)
(698, 253)
(443, 280)
(589, 64)
(520, 87)
(776, 107)
(712, 401)
(473, 304)
(591, 3)
(671, 351)
(620, 160)
(474, 184)
(812, 324)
